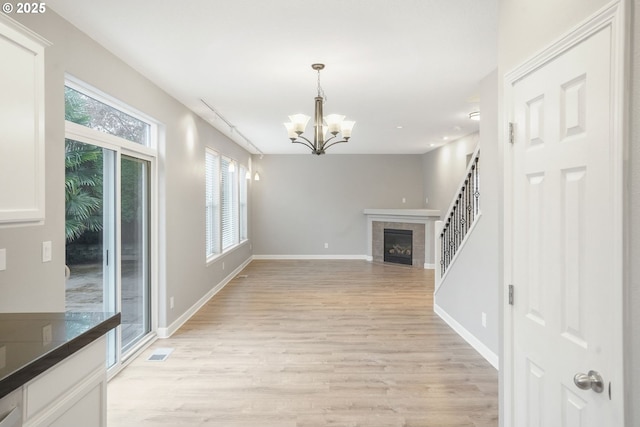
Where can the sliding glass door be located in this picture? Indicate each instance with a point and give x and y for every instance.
(90, 224)
(134, 240)
(107, 227)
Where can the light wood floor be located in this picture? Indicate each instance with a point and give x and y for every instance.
(312, 343)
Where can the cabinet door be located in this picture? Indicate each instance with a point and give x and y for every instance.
(21, 123)
(87, 411)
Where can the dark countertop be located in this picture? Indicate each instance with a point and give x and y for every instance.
(29, 347)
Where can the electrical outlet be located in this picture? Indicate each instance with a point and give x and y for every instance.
(3, 259)
(46, 251)
(3, 357)
(326, 246)
(171, 302)
(484, 319)
(426, 201)
(47, 335)
(223, 265)
(404, 200)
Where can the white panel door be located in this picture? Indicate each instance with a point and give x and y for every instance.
(564, 249)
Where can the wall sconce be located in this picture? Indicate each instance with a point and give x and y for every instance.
(256, 177)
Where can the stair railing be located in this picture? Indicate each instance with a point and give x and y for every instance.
(460, 218)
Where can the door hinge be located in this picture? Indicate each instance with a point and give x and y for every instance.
(512, 136)
(510, 294)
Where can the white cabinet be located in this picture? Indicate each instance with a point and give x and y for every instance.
(21, 123)
(71, 394)
(11, 409)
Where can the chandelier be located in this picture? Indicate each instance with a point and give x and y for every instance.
(335, 124)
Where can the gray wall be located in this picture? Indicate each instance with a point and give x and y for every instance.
(29, 285)
(303, 201)
(444, 170)
(472, 283)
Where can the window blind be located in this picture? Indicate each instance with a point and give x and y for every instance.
(229, 202)
(242, 180)
(212, 177)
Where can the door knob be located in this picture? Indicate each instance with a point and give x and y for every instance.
(592, 380)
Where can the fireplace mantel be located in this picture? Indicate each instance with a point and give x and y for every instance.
(427, 217)
(426, 214)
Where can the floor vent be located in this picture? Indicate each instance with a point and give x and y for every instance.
(160, 354)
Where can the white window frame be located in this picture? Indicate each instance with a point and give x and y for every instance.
(152, 140)
(149, 153)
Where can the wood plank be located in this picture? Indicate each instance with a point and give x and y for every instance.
(312, 343)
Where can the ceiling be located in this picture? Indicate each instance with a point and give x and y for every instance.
(407, 71)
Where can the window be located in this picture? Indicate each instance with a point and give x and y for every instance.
(87, 111)
(229, 202)
(242, 193)
(212, 176)
(226, 203)
(110, 226)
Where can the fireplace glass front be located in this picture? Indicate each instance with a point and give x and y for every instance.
(398, 246)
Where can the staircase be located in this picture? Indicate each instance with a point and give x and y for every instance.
(463, 213)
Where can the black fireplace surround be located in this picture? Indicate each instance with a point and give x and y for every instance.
(398, 246)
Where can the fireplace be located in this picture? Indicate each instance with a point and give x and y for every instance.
(398, 246)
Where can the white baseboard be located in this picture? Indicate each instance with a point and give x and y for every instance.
(267, 257)
(167, 332)
(429, 266)
(484, 351)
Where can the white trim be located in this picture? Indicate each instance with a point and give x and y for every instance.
(171, 329)
(474, 342)
(612, 15)
(302, 257)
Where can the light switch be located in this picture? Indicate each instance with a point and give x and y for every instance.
(3, 357)
(46, 251)
(3, 259)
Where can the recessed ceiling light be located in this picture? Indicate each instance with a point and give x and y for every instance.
(444, 138)
(432, 145)
(398, 127)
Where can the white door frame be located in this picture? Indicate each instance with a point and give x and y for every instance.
(612, 16)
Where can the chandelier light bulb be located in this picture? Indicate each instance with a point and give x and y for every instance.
(346, 127)
(299, 122)
(333, 122)
(291, 130)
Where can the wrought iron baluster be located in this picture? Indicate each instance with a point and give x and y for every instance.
(477, 192)
(461, 217)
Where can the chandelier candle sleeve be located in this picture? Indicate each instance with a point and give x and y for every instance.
(335, 124)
